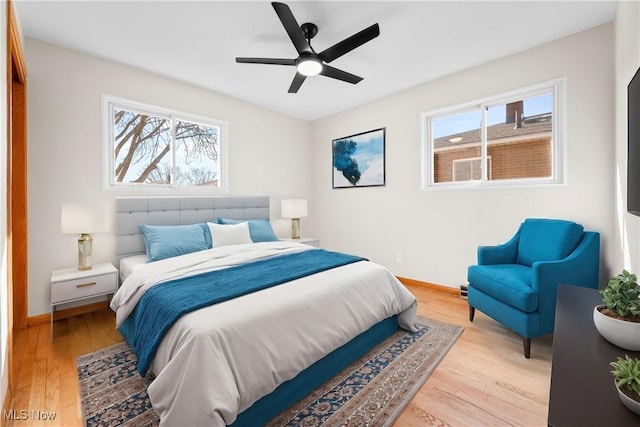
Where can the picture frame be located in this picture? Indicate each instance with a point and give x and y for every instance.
(359, 160)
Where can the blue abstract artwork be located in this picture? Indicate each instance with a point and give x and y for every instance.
(358, 160)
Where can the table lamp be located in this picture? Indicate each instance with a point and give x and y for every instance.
(79, 219)
(294, 209)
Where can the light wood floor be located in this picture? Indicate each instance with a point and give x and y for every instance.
(483, 381)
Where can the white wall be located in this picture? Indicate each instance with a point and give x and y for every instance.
(627, 60)
(438, 231)
(4, 281)
(64, 157)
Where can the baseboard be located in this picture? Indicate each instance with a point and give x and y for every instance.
(42, 319)
(427, 285)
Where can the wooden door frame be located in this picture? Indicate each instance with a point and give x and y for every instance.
(16, 185)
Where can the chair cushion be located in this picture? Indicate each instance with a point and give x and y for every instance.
(547, 240)
(509, 283)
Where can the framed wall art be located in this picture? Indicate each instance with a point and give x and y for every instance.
(358, 160)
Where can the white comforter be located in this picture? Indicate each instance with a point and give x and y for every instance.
(217, 361)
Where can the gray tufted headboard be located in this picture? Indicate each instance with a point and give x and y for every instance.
(133, 211)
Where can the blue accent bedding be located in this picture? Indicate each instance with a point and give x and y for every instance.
(162, 305)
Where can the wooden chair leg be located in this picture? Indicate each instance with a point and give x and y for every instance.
(527, 347)
(472, 312)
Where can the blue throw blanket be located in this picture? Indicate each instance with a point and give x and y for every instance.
(162, 305)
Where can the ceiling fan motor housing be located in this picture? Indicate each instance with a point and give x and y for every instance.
(309, 30)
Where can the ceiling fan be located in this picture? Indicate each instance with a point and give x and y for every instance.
(309, 63)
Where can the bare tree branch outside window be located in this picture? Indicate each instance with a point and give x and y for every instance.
(156, 150)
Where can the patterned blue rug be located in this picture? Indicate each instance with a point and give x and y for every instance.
(372, 391)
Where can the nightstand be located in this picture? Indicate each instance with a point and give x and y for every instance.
(306, 240)
(70, 285)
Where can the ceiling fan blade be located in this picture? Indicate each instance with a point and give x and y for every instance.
(291, 25)
(334, 73)
(348, 44)
(296, 83)
(272, 61)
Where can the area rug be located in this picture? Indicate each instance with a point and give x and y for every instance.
(372, 391)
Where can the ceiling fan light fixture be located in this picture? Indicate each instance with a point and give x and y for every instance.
(309, 67)
(309, 63)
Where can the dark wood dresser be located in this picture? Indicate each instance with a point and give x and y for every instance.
(582, 389)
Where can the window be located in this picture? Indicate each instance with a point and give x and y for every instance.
(469, 169)
(150, 147)
(518, 135)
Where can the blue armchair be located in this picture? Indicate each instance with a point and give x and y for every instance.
(516, 283)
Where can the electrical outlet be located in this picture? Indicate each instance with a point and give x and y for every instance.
(399, 257)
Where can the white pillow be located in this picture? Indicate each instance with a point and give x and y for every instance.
(229, 234)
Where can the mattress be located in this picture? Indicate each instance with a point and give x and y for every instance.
(128, 264)
(208, 368)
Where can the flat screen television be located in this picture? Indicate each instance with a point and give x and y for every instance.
(633, 145)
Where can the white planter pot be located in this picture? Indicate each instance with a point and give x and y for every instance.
(629, 402)
(618, 332)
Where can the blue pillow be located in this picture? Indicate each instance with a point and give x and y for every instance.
(166, 241)
(207, 235)
(259, 229)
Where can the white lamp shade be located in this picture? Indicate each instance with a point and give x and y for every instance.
(77, 219)
(294, 208)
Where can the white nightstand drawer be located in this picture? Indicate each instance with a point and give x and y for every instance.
(82, 288)
(70, 285)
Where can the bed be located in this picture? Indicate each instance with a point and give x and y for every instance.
(242, 360)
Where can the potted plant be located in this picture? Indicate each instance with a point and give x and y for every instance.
(626, 373)
(618, 319)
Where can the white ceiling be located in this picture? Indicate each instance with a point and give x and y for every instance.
(197, 42)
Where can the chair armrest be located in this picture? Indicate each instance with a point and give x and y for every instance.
(580, 268)
(505, 253)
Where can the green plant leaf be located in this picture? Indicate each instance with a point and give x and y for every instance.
(622, 295)
(626, 373)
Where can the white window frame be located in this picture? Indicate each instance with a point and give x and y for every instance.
(558, 136)
(108, 150)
